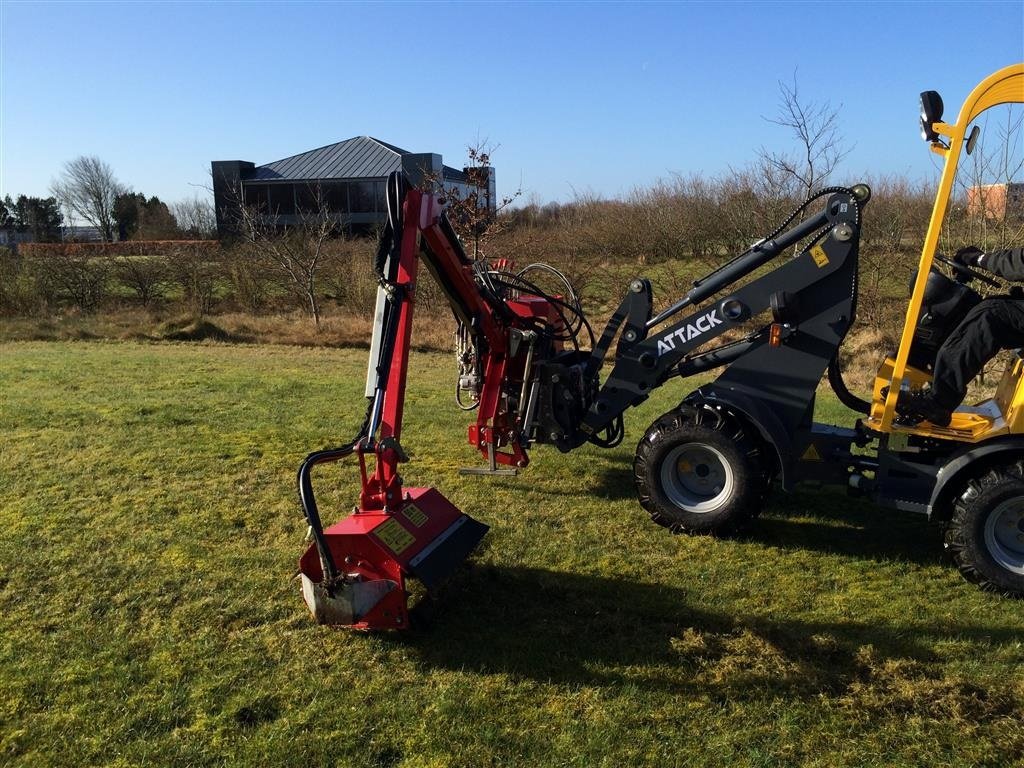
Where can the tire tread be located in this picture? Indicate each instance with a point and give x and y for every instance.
(961, 533)
(700, 419)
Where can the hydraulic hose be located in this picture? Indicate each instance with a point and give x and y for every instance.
(846, 397)
(308, 500)
(387, 247)
(761, 252)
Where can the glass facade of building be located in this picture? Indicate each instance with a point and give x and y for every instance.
(287, 199)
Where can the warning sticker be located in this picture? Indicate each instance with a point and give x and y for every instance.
(819, 256)
(393, 536)
(811, 454)
(414, 515)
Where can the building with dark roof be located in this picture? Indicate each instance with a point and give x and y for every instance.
(347, 178)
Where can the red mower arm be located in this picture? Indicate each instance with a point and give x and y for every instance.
(355, 570)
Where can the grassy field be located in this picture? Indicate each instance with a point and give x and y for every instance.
(149, 533)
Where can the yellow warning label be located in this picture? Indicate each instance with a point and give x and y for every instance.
(811, 454)
(393, 536)
(414, 515)
(819, 256)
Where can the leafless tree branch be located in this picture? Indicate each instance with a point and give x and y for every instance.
(820, 146)
(86, 189)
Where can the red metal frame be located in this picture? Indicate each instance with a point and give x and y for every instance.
(384, 488)
(382, 539)
(493, 426)
(421, 214)
(364, 545)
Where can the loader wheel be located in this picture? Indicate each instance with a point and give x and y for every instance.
(696, 471)
(986, 535)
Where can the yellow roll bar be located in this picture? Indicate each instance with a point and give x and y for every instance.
(1003, 87)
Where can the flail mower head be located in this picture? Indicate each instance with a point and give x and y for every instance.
(425, 537)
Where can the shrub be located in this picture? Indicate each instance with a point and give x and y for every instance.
(197, 271)
(347, 276)
(80, 280)
(145, 276)
(19, 293)
(251, 282)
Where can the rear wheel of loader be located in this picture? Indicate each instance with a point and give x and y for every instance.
(697, 471)
(986, 535)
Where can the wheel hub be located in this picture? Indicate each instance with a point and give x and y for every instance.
(1004, 535)
(697, 477)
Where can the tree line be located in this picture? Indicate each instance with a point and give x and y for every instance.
(676, 229)
(88, 191)
(672, 231)
(38, 217)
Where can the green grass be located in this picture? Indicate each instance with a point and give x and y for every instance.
(149, 533)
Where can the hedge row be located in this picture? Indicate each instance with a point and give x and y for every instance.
(123, 248)
(200, 276)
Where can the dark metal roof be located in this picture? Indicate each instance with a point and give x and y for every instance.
(358, 157)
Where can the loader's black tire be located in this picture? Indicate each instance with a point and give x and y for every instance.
(986, 534)
(697, 471)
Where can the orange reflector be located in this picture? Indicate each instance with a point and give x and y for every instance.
(775, 335)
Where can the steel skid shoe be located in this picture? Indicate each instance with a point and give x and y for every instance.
(374, 552)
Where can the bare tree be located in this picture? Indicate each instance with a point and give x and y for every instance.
(196, 217)
(470, 208)
(980, 212)
(295, 248)
(820, 147)
(754, 200)
(680, 214)
(894, 227)
(86, 189)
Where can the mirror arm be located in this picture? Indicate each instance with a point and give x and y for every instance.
(940, 147)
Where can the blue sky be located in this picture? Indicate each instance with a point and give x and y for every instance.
(577, 96)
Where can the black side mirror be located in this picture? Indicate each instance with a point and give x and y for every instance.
(973, 139)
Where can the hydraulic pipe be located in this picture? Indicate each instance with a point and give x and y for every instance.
(379, 373)
(715, 358)
(846, 397)
(309, 507)
(760, 254)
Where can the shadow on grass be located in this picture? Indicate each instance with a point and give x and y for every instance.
(616, 483)
(834, 523)
(576, 629)
(838, 524)
(198, 330)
